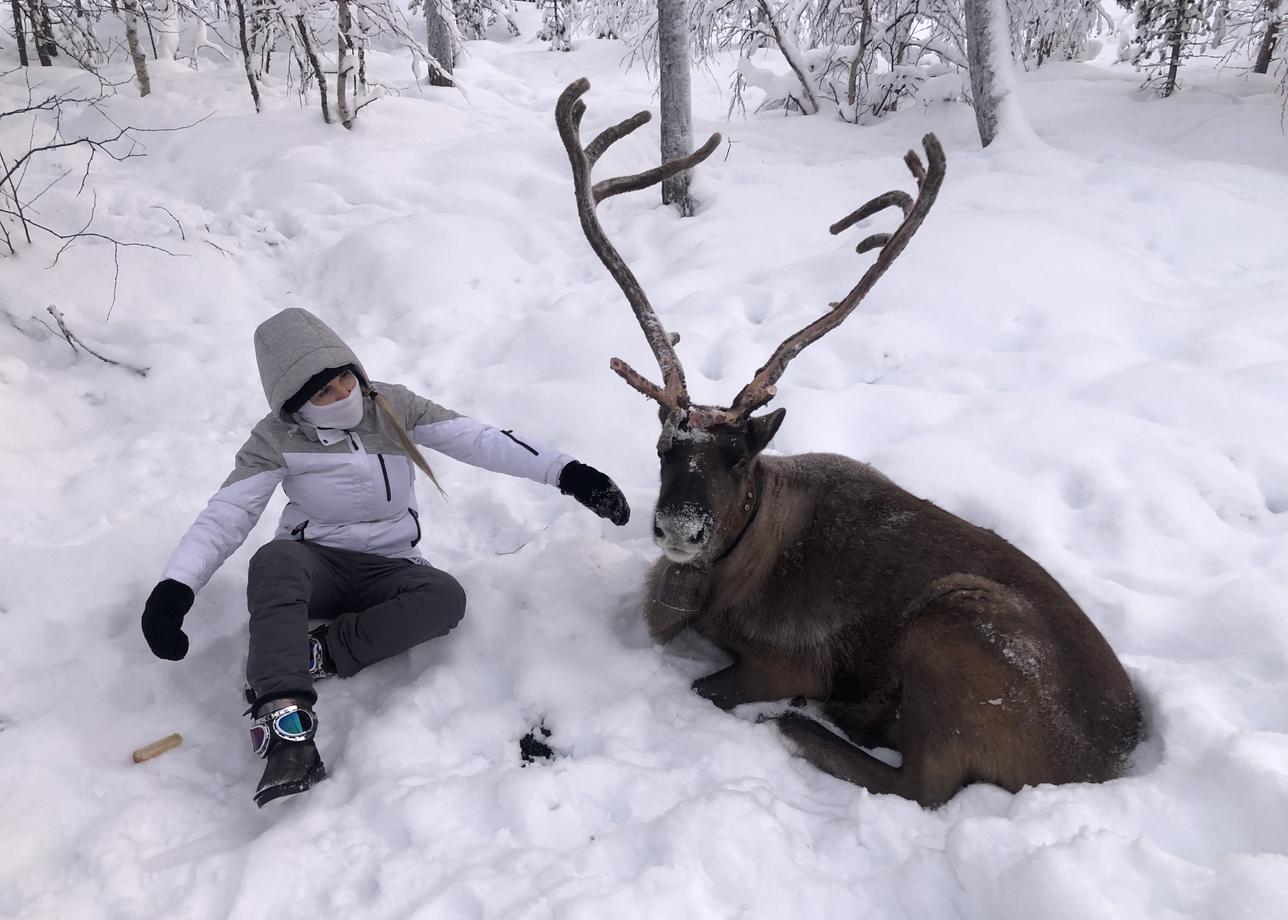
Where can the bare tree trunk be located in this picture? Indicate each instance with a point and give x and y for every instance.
(136, 52)
(315, 64)
(362, 61)
(245, 49)
(852, 85)
(992, 65)
(438, 38)
(676, 98)
(37, 33)
(19, 33)
(47, 30)
(1267, 50)
(1177, 39)
(343, 66)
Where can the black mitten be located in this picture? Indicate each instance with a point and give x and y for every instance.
(163, 615)
(594, 490)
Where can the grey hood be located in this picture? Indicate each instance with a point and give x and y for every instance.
(290, 347)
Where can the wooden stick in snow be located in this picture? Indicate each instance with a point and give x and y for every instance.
(157, 748)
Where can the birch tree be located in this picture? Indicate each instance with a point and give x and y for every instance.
(441, 40)
(676, 98)
(345, 47)
(42, 32)
(1266, 49)
(136, 50)
(992, 69)
(246, 59)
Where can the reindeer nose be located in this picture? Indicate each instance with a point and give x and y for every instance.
(680, 530)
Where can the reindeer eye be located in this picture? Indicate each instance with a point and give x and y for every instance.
(740, 465)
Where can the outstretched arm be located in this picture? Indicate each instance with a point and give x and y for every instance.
(500, 450)
(229, 516)
(218, 530)
(503, 450)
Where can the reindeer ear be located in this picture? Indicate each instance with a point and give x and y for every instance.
(762, 428)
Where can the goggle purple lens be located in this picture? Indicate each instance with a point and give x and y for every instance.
(259, 735)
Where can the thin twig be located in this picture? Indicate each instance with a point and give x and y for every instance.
(183, 236)
(221, 249)
(73, 340)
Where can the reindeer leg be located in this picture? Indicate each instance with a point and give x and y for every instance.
(833, 754)
(757, 680)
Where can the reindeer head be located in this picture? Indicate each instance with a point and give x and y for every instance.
(710, 481)
(710, 484)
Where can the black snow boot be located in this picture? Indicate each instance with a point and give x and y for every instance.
(282, 734)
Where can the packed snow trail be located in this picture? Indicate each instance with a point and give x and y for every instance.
(1084, 349)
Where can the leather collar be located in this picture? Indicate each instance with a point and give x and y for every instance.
(757, 486)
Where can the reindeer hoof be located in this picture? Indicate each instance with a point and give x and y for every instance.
(710, 689)
(799, 729)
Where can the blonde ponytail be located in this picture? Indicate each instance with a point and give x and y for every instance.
(403, 437)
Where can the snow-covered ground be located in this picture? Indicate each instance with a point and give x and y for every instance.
(1085, 349)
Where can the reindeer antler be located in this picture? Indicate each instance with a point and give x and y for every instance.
(568, 114)
(673, 393)
(761, 389)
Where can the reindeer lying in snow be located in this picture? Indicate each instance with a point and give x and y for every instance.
(916, 630)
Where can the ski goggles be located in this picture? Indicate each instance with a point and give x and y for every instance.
(290, 723)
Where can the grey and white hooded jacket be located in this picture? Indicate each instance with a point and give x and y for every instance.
(348, 489)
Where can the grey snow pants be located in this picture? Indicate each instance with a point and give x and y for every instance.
(377, 606)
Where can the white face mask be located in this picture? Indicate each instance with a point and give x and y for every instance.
(343, 413)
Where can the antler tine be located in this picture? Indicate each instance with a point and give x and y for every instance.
(568, 112)
(610, 187)
(875, 241)
(609, 136)
(914, 166)
(890, 199)
(761, 389)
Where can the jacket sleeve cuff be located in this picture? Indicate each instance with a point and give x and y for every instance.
(556, 469)
(194, 582)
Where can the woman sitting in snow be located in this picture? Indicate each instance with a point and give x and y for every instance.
(345, 551)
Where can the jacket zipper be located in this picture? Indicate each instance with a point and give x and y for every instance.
(415, 517)
(389, 495)
(298, 530)
(509, 433)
